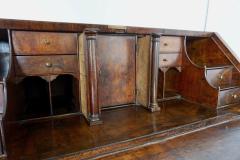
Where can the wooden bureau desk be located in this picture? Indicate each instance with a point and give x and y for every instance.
(52, 69)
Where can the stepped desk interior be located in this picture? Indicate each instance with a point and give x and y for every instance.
(85, 91)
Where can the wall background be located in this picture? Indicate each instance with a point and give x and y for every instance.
(221, 16)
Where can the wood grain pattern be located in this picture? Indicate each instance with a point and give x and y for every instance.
(170, 60)
(143, 70)
(94, 109)
(200, 91)
(205, 52)
(171, 44)
(117, 66)
(73, 138)
(116, 69)
(81, 27)
(220, 77)
(39, 43)
(44, 65)
(218, 142)
(83, 99)
(230, 96)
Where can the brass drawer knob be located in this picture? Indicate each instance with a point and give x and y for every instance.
(235, 96)
(165, 60)
(221, 77)
(46, 41)
(165, 44)
(48, 64)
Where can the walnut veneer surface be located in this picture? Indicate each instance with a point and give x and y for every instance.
(220, 142)
(71, 137)
(85, 91)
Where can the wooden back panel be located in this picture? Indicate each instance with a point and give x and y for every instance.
(116, 69)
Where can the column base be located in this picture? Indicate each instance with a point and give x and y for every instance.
(154, 107)
(94, 120)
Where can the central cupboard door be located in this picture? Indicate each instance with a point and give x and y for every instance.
(116, 69)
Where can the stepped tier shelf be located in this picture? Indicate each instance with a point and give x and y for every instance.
(83, 91)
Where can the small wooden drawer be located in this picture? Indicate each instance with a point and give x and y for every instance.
(44, 65)
(171, 44)
(38, 43)
(170, 60)
(229, 96)
(64, 64)
(219, 76)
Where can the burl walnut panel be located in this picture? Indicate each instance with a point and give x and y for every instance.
(35, 43)
(116, 69)
(205, 52)
(194, 86)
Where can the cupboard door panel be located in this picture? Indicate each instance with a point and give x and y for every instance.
(116, 68)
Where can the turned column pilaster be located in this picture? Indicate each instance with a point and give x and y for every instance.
(94, 110)
(153, 105)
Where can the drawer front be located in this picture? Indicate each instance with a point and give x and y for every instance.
(171, 44)
(219, 77)
(43, 65)
(64, 64)
(170, 60)
(31, 65)
(35, 43)
(230, 96)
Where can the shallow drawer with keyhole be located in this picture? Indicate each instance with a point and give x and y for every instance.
(38, 43)
(170, 60)
(171, 44)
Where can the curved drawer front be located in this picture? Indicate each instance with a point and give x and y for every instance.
(37, 43)
(43, 65)
(230, 96)
(220, 76)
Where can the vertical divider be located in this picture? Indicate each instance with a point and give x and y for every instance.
(50, 96)
(153, 106)
(164, 84)
(94, 115)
